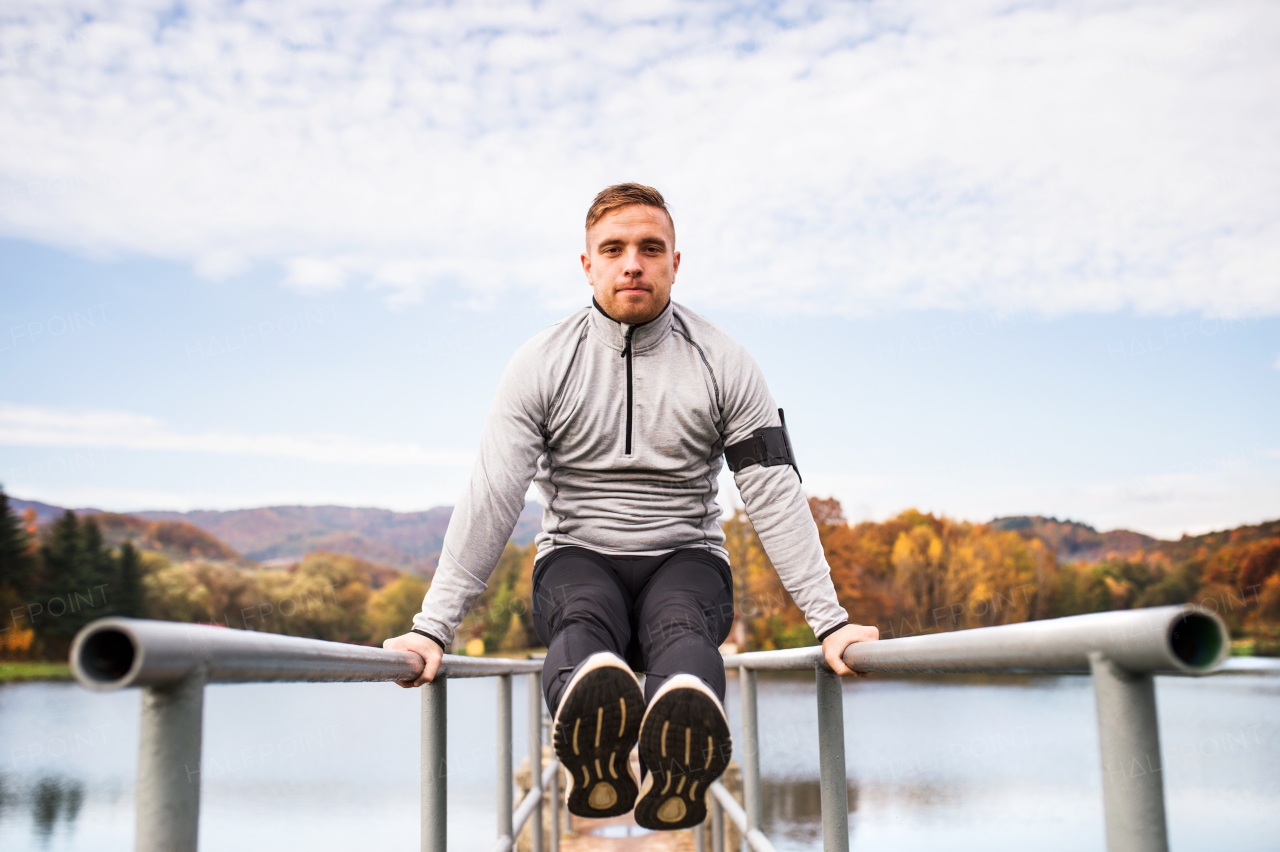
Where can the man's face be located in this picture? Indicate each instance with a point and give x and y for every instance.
(631, 262)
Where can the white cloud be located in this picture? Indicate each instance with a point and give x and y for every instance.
(36, 426)
(311, 275)
(1097, 156)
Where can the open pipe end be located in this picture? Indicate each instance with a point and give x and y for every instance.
(1198, 640)
(103, 657)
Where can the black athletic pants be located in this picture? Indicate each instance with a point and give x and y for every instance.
(665, 615)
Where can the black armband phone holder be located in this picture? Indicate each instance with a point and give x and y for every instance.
(766, 447)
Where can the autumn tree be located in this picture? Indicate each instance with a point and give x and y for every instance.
(392, 608)
(325, 596)
(506, 604)
(858, 562)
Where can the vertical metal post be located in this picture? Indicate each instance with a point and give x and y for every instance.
(700, 837)
(435, 774)
(717, 825)
(750, 749)
(534, 680)
(168, 797)
(504, 757)
(835, 795)
(1132, 775)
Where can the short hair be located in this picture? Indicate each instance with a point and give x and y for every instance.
(623, 194)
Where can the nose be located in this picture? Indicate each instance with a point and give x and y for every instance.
(631, 267)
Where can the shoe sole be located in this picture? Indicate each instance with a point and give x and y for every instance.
(684, 745)
(596, 726)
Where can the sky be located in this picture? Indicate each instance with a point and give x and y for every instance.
(994, 258)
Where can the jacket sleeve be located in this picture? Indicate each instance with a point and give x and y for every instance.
(776, 503)
(487, 511)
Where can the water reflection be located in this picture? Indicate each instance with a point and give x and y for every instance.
(51, 801)
(792, 808)
(54, 801)
(969, 764)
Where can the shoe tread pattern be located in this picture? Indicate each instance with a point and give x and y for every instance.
(594, 702)
(691, 714)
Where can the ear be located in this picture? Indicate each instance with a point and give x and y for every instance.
(586, 267)
(675, 262)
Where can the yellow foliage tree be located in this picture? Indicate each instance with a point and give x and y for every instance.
(392, 608)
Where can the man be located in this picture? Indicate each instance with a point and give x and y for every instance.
(621, 415)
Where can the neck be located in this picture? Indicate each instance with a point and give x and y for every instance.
(606, 313)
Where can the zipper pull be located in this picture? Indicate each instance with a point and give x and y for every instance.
(626, 350)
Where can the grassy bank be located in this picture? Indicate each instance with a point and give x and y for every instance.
(14, 672)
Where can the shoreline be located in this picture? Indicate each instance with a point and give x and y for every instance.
(27, 670)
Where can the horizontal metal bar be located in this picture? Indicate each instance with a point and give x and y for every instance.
(114, 653)
(789, 660)
(457, 666)
(1168, 640)
(530, 801)
(755, 839)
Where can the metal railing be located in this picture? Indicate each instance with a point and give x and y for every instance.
(1121, 650)
(173, 662)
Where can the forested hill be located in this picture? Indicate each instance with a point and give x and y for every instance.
(1072, 541)
(46, 512)
(176, 540)
(410, 541)
(407, 540)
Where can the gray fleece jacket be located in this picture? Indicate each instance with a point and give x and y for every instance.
(622, 429)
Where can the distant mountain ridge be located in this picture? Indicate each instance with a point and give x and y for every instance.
(177, 540)
(46, 512)
(410, 541)
(1073, 541)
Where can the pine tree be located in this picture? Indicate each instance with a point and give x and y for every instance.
(75, 581)
(128, 599)
(17, 565)
(99, 567)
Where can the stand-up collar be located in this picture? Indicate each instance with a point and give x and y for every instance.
(646, 335)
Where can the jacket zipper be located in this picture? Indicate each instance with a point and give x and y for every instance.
(626, 353)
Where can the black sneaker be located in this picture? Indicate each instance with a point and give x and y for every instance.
(596, 726)
(684, 747)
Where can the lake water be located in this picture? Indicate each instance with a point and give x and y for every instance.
(960, 763)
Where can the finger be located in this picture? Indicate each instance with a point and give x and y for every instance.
(837, 665)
